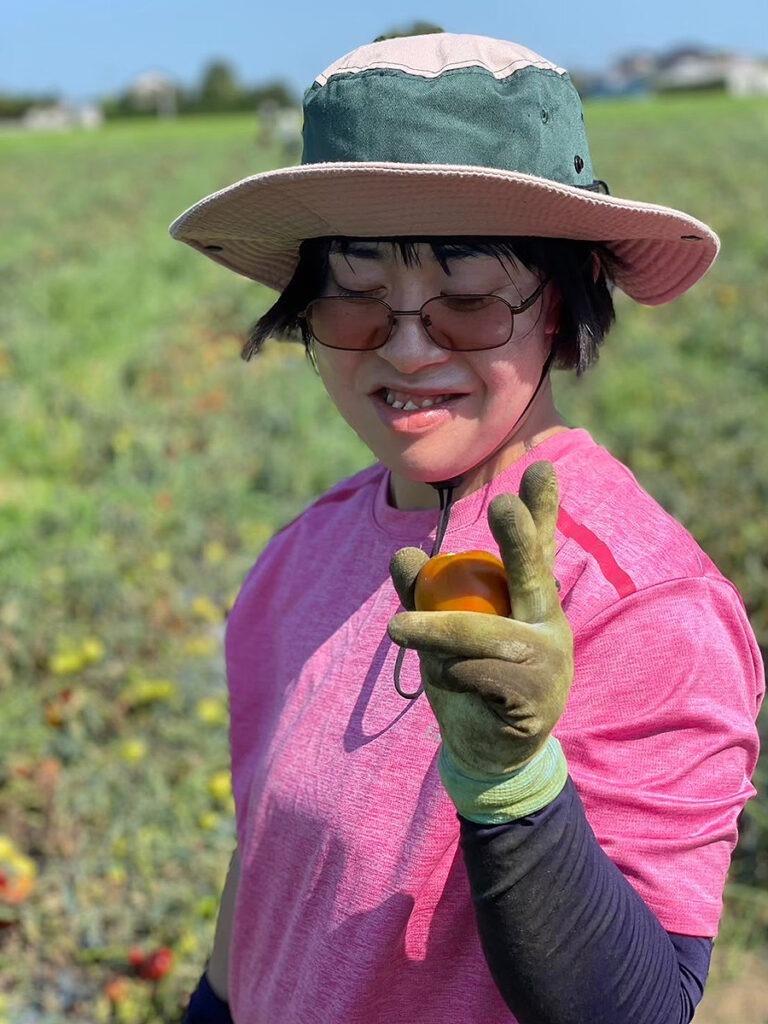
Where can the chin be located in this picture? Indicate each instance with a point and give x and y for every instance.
(428, 473)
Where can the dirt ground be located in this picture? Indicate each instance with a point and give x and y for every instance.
(737, 990)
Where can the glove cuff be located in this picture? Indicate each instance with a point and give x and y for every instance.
(496, 799)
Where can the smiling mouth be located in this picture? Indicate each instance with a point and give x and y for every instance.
(413, 403)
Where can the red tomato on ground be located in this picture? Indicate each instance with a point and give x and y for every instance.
(151, 966)
(157, 964)
(471, 581)
(136, 956)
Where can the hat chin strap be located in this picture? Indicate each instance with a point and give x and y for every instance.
(446, 490)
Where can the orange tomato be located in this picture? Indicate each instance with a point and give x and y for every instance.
(471, 581)
(118, 989)
(15, 887)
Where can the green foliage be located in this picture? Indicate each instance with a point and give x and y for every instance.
(219, 91)
(416, 28)
(219, 87)
(144, 465)
(13, 106)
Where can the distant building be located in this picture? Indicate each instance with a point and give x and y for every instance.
(155, 92)
(62, 117)
(748, 78)
(684, 69)
(691, 70)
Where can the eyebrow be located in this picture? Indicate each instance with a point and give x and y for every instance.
(372, 249)
(359, 249)
(445, 251)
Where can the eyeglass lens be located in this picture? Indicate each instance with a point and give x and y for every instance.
(454, 322)
(350, 323)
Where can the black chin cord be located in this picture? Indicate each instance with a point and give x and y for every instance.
(445, 492)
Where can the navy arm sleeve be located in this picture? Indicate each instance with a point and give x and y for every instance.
(566, 937)
(205, 1007)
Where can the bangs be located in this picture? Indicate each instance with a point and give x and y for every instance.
(443, 249)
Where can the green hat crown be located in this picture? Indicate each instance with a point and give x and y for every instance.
(456, 100)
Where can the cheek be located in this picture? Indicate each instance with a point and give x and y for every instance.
(511, 380)
(330, 367)
(337, 371)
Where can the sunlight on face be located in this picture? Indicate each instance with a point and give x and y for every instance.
(425, 412)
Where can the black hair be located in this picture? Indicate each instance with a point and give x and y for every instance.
(582, 272)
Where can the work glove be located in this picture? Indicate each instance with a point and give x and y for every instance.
(496, 684)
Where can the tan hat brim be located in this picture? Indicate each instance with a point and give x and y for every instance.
(255, 226)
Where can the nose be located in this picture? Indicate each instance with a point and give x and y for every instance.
(409, 348)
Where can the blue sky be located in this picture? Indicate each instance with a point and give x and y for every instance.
(86, 48)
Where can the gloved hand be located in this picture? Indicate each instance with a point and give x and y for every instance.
(498, 685)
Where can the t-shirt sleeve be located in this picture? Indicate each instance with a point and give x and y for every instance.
(662, 743)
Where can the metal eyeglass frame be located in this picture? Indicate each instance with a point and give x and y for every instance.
(425, 320)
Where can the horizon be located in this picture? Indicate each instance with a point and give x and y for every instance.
(91, 50)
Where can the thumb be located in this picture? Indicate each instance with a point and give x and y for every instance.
(405, 566)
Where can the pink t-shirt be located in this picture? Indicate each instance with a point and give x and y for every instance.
(354, 903)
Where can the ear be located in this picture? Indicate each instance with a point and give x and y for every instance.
(552, 312)
(312, 357)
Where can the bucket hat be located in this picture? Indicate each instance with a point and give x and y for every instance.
(444, 135)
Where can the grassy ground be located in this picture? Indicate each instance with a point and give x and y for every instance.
(143, 467)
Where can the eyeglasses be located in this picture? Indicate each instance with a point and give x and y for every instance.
(459, 323)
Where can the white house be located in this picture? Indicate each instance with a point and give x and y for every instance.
(155, 91)
(62, 117)
(736, 74)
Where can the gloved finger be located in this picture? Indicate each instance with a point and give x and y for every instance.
(498, 681)
(404, 568)
(532, 589)
(513, 692)
(539, 492)
(463, 635)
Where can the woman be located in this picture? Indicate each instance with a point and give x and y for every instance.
(544, 835)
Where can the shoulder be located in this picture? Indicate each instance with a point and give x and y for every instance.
(623, 558)
(344, 500)
(632, 577)
(610, 527)
(319, 529)
(360, 487)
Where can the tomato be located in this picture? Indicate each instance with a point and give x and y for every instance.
(15, 888)
(136, 956)
(156, 965)
(151, 966)
(118, 989)
(471, 581)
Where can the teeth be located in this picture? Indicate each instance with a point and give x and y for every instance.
(411, 404)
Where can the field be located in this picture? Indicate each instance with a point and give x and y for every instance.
(143, 466)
